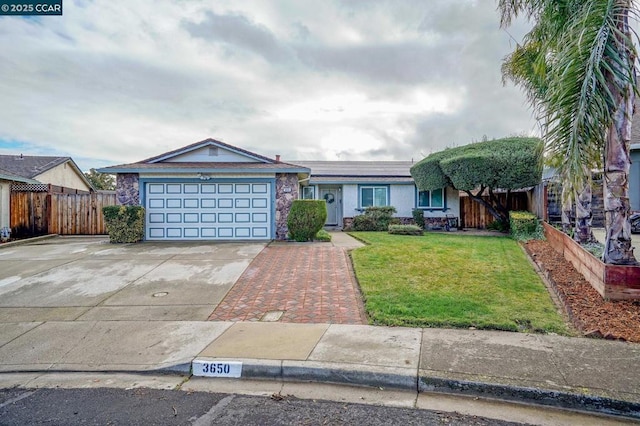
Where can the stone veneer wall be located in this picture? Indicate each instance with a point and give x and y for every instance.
(286, 192)
(128, 189)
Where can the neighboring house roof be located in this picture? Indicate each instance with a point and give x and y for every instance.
(255, 163)
(325, 172)
(32, 166)
(6, 175)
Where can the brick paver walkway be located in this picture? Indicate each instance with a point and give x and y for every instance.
(309, 283)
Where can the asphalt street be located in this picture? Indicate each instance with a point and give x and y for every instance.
(162, 407)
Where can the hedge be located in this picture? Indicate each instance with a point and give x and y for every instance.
(125, 224)
(525, 226)
(306, 218)
(405, 230)
(509, 163)
(375, 219)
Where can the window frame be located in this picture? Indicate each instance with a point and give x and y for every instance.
(430, 207)
(312, 188)
(373, 187)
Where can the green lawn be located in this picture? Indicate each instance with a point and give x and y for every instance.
(449, 280)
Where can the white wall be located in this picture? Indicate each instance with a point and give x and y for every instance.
(403, 198)
(63, 175)
(4, 203)
(350, 200)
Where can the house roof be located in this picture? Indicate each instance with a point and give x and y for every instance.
(206, 167)
(255, 163)
(207, 142)
(7, 175)
(326, 172)
(29, 166)
(359, 168)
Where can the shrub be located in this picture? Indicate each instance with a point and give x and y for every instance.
(322, 235)
(405, 230)
(306, 218)
(525, 226)
(125, 224)
(375, 219)
(418, 217)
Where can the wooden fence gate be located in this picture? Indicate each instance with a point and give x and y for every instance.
(475, 215)
(40, 213)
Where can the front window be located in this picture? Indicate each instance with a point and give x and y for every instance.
(431, 199)
(374, 196)
(308, 192)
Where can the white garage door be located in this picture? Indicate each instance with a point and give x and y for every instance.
(208, 211)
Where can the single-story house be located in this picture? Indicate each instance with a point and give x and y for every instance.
(213, 190)
(35, 170)
(351, 186)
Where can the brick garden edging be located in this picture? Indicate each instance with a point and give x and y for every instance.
(613, 282)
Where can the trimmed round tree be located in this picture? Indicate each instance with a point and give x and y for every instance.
(306, 218)
(501, 164)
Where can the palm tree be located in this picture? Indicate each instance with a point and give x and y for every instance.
(577, 66)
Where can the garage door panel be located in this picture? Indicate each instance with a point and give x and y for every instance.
(259, 203)
(208, 210)
(225, 203)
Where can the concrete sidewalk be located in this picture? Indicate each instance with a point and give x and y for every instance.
(595, 375)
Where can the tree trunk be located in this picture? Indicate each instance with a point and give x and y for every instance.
(583, 234)
(618, 249)
(496, 212)
(567, 204)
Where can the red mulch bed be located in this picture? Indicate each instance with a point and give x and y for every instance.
(588, 311)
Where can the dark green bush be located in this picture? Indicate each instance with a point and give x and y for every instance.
(405, 230)
(375, 219)
(525, 226)
(509, 163)
(125, 224)
(306, 218)
(418, 217)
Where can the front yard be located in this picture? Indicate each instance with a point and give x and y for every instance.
(449, 280)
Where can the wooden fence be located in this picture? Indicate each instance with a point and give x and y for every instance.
(475, 215)
(41, 213)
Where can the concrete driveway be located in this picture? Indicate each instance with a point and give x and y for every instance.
(89, 279)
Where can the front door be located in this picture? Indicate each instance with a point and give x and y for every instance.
(332, 197)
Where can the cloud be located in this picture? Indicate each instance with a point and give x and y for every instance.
(115, 82)
(237, 32)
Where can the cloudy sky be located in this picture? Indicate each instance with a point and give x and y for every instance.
(115, 81)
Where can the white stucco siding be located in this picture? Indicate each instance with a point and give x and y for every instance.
(402, 197)
(63, 175)
(350, 200)
(4, 203)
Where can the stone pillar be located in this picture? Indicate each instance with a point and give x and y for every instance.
(286, 192)
(128, 189)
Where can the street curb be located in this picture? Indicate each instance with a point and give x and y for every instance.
(323, 372)
(391, 378)
(408, 379)
(27, 241)
(559, 399)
